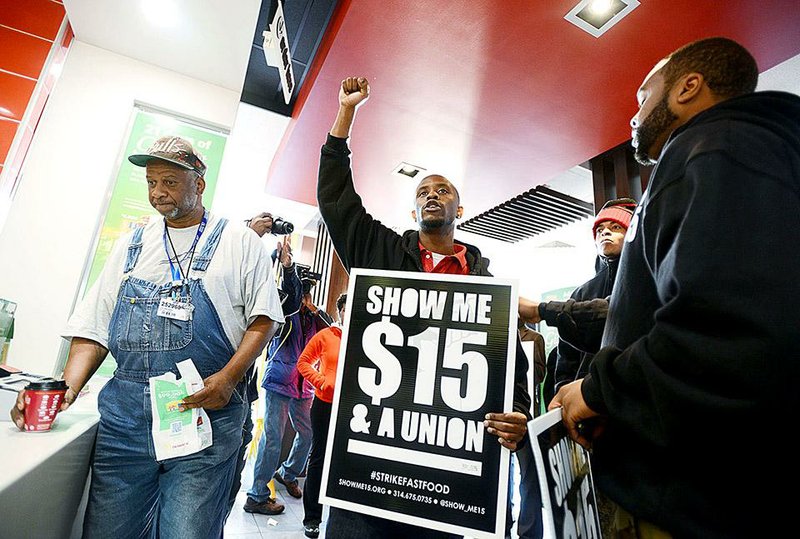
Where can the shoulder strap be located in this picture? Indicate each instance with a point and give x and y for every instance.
(202, 261)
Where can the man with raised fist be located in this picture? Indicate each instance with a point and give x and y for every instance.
(362, 241)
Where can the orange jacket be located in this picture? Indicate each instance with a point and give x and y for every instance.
(323, 347)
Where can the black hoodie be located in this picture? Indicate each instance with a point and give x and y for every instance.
(698, 374)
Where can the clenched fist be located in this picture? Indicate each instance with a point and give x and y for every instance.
(353, 92)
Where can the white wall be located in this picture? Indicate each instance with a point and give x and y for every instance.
(251, 146)
(784, 77)
(48, 234)
(241, 194)
(541, 269)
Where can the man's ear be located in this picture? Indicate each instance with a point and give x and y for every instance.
(201, 185)
(459, 212)
(414, 215)
(689, 87)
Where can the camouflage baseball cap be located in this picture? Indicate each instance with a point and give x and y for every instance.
(173, 150)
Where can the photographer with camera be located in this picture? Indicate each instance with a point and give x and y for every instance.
(264, 222)
(286, 392)
(290, 293)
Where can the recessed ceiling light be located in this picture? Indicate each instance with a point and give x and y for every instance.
(407, 169)
(163, 13)
(600, 7)
(597, 16)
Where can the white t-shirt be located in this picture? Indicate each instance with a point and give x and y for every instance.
(437, 257)
(239, 279)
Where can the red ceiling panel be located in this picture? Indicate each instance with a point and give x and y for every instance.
(39, 17)
(15, 92)
(7, 131)
(22, 53)
(500, 96)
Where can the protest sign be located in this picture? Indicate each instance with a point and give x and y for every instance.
(569, 507)
(424, 358)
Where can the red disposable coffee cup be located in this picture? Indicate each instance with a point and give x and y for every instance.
(43, 400)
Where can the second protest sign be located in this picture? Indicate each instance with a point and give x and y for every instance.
(424, 358)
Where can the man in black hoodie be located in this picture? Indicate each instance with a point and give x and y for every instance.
(687, 406)
(361, 241)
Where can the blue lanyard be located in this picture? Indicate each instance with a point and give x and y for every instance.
(177, 273)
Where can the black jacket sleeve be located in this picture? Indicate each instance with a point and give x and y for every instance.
(722, 352)
(522, 398)
(359, 239)
(579, 323)
(293, 291)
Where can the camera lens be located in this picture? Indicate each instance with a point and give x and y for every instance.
(281, 227)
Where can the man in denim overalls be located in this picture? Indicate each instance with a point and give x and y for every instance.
(215, 276)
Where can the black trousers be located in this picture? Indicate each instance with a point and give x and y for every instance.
(320, 418)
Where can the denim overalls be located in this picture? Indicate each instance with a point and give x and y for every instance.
(132, 494)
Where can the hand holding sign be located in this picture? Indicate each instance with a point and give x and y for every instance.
(510, 428)
(575, 412)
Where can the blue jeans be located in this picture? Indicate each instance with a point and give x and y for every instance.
(277, 407)
(133, 495)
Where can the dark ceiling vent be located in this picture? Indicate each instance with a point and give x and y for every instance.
(533, 212)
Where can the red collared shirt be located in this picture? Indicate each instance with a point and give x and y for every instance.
(455, 264)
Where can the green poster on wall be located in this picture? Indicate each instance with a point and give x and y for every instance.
(128, 205)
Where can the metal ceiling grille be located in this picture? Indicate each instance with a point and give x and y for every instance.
(533, 212)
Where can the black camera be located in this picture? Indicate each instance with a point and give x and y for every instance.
(281, 227)
(305, 274)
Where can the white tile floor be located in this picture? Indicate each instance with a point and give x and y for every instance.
(287, 525)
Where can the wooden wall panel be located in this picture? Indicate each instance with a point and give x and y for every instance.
(616, 174)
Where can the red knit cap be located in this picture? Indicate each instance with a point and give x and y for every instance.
(619, 211)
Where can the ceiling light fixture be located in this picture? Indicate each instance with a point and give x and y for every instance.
(600, 7)
(596, 17)
(407, 169)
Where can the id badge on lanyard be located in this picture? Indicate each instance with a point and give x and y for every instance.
(179, 307)
(176, 308)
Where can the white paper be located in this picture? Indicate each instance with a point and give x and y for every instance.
(176, 434)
